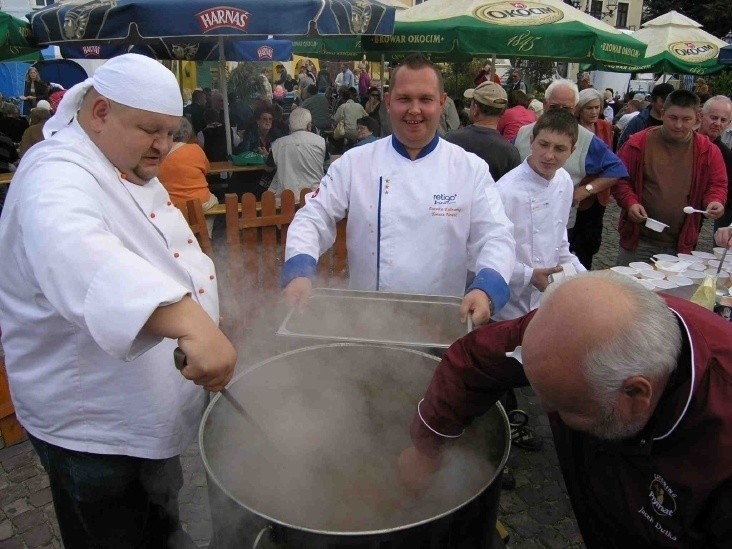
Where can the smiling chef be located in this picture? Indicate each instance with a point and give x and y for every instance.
(422, 212)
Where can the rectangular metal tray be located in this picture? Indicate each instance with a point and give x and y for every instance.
(409, 320)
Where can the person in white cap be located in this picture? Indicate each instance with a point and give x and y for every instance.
(101, 279)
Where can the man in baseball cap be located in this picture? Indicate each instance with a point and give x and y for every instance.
(488, 101)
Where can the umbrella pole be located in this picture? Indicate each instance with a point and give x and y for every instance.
(493, 67)
(225, 92)
(383, 77)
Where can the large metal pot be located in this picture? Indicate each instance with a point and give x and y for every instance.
(336, 417)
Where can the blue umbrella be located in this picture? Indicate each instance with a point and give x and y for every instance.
(250, 50)
(138, 22)
(133, 22)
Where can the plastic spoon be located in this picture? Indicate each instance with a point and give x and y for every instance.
(690, 210)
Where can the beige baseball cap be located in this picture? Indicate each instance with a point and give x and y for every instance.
(488, 93)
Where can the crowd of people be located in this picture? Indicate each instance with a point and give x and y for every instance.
(505, 212)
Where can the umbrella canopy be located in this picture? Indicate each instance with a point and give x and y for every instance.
(138, 21)
(533, 29)
(676, 44)
(15, 39)
(249, 50)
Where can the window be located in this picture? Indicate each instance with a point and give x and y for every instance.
(596, 9)
(622, 20)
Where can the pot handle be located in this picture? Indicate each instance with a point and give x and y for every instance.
(259, 537)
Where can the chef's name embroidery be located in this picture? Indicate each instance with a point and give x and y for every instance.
(662, 500)
(444, 199)
(445, 212)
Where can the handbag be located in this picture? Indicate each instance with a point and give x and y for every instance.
(248, 158)
(340, 130)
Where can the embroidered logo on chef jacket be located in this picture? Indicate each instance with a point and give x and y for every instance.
(662, 497)
(662, 501)
(444, 199)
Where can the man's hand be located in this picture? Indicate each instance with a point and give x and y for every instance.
(210, 355)
(723, 237)
(715, 210)
(297, 292)
(637, 213)
(414, 469)
(540, 277)
(211, 358)
(478, 304)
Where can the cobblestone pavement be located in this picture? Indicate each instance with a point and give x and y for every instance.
(536, 514)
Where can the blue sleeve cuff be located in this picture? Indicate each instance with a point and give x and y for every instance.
(296, 266)
(603, 162)
(492, 284)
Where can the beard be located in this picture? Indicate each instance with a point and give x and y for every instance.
(612, 427)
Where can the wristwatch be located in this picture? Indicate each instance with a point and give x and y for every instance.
(589, 188)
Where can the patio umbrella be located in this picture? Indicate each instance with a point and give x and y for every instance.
(242, 50)
(462, 29)
(532, 29)
(676, 44)
(15, 40)
(167, 23)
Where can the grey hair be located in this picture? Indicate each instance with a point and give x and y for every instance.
(587, 95)
(185, 131)
(561, 83)
(299, 119)
(648, 345)
(726, 101)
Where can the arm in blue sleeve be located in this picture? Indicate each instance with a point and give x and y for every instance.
(296, 266)
(492, 284)
(603, 162)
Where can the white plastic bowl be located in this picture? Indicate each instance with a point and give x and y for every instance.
(719, 252)
(665, 257)
(647, 284)
(655, 225)
(703, 255)
(697, 267)
(680, 280)
(627, 271)
(688, 257)
(652, 275)
(695, 276)
(664, 284)
(640, 266)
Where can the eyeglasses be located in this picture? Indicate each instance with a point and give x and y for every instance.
(266, 119)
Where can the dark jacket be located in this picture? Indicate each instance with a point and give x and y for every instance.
(669, 486)
(636, 124)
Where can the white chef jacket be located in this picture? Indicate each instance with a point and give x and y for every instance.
(87, 258)
(414, 226)
(539, 211)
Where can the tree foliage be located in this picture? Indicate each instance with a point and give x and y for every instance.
(715, 16)
(245, 80)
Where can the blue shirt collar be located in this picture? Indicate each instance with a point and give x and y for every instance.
(427, 149)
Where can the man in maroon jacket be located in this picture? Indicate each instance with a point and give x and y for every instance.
(670, 167)
(638, 393)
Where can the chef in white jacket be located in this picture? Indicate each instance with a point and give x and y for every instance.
(101, 279)
(538, 196)
(421, 211)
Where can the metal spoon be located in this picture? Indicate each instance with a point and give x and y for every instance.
(690, 210)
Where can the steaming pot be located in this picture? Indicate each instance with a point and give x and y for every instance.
(336, 418)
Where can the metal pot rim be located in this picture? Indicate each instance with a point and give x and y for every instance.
(214, 478)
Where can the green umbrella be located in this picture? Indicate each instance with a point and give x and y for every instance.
(15, 40)
(532, 29)
(463, 29)
(676, 44)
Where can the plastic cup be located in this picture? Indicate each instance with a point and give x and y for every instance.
(627, 271)
(680, 280)
(654, 225)
(640, 266)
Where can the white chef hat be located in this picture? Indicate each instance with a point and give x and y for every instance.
(130, 79)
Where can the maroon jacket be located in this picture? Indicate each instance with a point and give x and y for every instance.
(671, 486)
(709, 184)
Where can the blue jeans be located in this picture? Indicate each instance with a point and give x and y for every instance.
(112, 501)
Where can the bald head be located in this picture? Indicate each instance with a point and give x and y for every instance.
(599, 352)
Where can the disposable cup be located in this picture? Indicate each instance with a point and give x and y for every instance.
(652, 275)
(627, 271)
(655, 225)
(640, 266)
(664, 284)
(680, 280)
